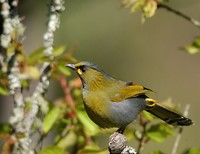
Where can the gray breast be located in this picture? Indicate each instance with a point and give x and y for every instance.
(125, 112)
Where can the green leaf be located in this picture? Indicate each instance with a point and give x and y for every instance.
(59, 50)
(25, 83)
(36, 55)
(138, 134)
(4, 128)
(3, 90)
(193, 150)
(148, 115)
(52, 150)
(77, 92)
(68, 140)
(33, 72)
(197, 42)
(63, 69)
(159, 132)
(90, 127)
(193, 48)
(50, 119)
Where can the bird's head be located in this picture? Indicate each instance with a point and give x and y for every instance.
(92, 76)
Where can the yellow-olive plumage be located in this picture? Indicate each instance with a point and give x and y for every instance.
(115, 103)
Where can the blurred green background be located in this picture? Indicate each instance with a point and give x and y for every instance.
(149, 54)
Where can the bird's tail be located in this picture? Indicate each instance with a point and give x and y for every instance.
(167, 115)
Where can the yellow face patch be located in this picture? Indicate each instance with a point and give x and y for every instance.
(79, 71)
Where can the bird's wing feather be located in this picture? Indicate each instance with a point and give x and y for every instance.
(128, 91)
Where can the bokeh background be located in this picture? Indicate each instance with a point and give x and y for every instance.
(115, 39)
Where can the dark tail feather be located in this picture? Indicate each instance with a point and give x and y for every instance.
(168, 116)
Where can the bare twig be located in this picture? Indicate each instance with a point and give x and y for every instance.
(178, 138)
(142, 140)
(68, 97)
(192, 20)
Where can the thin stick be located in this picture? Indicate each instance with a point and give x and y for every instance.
(178, 138)
(68, 96)
(143, 140)
(192, 20)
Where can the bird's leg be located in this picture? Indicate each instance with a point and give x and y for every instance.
(121, 130)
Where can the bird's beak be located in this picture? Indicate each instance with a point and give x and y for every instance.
(72, 66)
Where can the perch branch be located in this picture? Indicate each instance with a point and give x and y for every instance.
(118, 144)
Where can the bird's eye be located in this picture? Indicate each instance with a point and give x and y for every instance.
(81, 70)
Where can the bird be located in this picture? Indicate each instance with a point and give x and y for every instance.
(110, 102)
